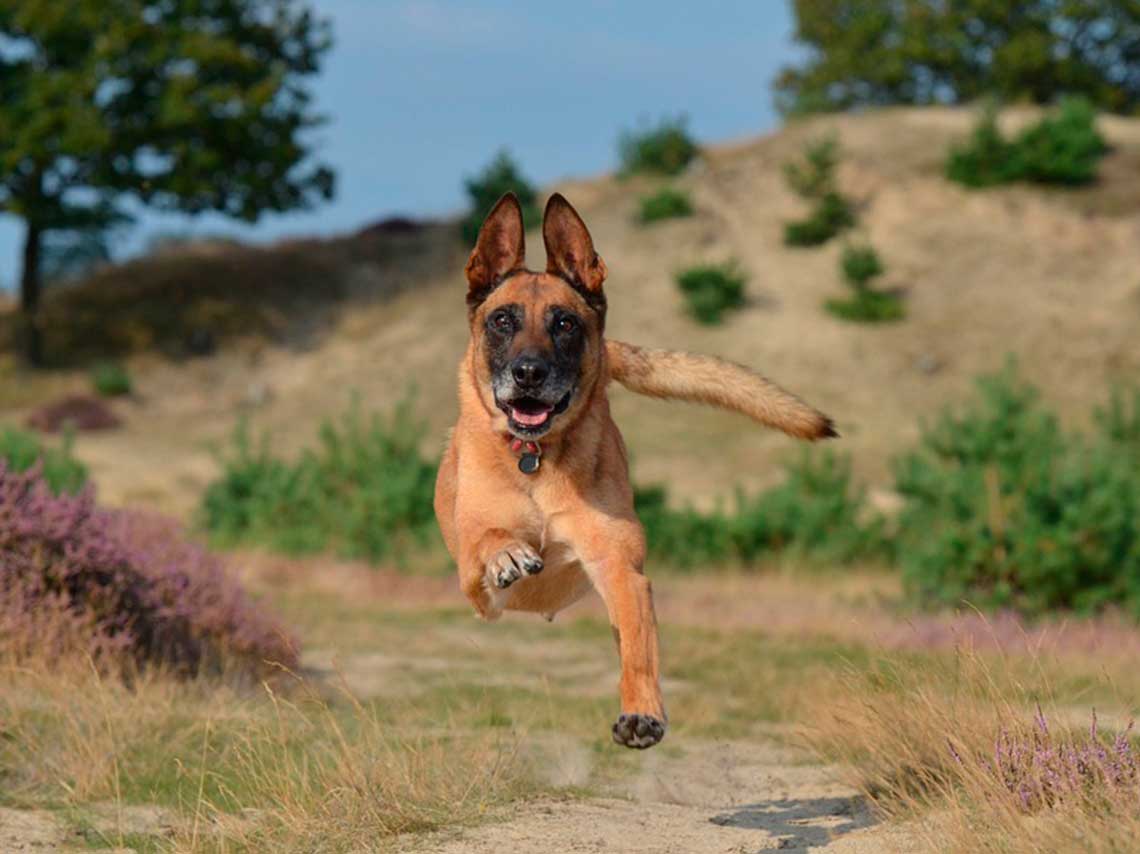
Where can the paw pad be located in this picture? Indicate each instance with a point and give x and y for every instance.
(638, 731)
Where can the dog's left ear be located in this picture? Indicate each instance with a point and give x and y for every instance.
(569, 248)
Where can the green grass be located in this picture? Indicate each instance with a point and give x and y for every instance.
(666, 203)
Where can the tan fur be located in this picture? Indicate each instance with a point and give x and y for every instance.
(576, 514)
(707, 379)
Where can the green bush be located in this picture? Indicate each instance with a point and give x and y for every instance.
(20, 451)
(1059, 149)
(666, 203)
(814, 177)
(859, 265)
(712, 289)
(816, 512)
(365, 491)
(110, 379)
(1063, 148)
(664, 149)
(500, 176)
(1005, 510)
(988, 158)
(867, 306)
(813, 180)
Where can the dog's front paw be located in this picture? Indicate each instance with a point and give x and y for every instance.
(638, 731)
(512, 563)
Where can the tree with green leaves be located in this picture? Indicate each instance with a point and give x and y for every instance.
(875, 52)
(180, 105)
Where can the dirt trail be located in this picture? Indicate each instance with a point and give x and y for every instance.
(715, 798)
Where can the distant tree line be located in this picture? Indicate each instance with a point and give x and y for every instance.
(878, 52)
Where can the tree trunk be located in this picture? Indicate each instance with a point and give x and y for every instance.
(30, 287)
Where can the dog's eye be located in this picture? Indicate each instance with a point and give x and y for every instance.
(502, 321)
(566, 324)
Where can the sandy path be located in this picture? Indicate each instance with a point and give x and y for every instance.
(716, 798)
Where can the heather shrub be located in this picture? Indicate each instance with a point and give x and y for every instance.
(78, 412)
(666, 203)
(121, 587)
(816, 512)
(813, 179)
(364, 491)
(1062, 148)
(712, 289)
(1040, 770)
(662, 149)
(110, 379)
(1006, 510)
(502, 175)
(859, 265)
(60, 470)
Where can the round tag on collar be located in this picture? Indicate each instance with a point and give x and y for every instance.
(529, 463)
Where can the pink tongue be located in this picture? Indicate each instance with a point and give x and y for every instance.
(530, 419)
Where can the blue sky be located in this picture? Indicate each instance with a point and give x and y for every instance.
(421, 93)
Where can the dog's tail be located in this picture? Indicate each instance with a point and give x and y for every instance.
(707, 379)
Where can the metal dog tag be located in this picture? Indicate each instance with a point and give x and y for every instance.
(528, 463)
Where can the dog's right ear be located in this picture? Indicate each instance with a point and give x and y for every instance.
(498, 251)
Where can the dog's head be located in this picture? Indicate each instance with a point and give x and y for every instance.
(537, 336)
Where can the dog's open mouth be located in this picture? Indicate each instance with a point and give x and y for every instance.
(532, 416)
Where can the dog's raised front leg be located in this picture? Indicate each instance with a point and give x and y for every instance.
(491, 564)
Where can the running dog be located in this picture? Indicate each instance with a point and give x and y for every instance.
(533, 496)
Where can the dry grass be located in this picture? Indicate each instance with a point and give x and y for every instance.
(921, 739)
(408, 718)
(286, 766)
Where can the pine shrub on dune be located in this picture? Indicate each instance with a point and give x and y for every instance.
(121, 587)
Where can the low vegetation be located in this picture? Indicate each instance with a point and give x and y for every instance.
(662, 149)
(1006, 509)
(120, 589)
(110, 379)
(502, 175)
(859, 266)
(986, 748)
(813, 179)
(55, 463)
(666, 203)
(710, 290)
(815, 512)
(1062, 148)
(365, 491)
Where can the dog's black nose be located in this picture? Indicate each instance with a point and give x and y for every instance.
(529, 371)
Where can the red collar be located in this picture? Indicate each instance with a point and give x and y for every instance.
(530, 458)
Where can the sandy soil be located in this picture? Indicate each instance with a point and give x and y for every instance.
(722, 797)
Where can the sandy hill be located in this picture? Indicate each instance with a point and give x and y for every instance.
(1051, 276)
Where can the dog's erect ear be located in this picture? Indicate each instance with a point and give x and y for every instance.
(499, 250)
(569, 249)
